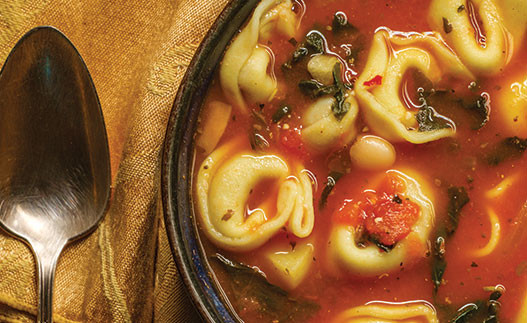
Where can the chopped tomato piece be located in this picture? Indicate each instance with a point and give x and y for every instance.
(390, 219)
(393, 184)
(385, 215)
(376, 80)
(291, 141)
(350, 213)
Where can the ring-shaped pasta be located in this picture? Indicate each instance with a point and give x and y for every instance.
(370, 261)
(381, 312)
(323, 130)
(459, 27)
(378, 87)
(223, 186)
(243, 49)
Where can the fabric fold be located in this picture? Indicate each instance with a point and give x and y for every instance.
(137, 53)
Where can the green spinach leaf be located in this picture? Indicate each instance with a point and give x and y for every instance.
(457, 199)
(280, 113)
(250, 285)
(340, 107)
(508, 148)
(439, 262)
(479, 110)
(332, 180)
(315, 89)
(256, 138)
(465, 312)
(427, 118)
(316, 41)
(340, 22)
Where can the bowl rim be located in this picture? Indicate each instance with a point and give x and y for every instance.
(177, 165)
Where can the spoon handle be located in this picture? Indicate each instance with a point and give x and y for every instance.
(47, 262)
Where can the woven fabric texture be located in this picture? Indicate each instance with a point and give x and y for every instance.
(137, 53)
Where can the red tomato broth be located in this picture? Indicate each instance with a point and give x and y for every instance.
(440, 164)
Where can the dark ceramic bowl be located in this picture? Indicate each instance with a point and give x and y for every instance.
(177, 166)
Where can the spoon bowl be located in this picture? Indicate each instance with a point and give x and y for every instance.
(54, 159)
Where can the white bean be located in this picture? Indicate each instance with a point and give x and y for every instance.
(372, 152)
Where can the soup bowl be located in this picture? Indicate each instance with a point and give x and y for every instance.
(177, 164)
(318, 130)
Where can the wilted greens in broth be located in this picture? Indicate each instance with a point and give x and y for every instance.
(362, 161)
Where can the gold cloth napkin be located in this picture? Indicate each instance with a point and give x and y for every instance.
(137, 53)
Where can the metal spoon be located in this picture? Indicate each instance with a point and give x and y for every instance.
(54, 161)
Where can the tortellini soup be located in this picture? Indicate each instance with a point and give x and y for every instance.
(364, 161)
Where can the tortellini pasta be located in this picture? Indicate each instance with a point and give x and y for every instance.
(379, 312)
(514, 13)
(280, 18)
(256, 84)
(378, 87)
(347, 254)
(323, 130)
(512, 101)
(296, 198)
(522, 315)
(223, 186)
(246, 64)
(482, 54)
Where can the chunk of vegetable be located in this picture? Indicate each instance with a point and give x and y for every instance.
(321, 68)
(386, 215)
(291, 142)
(293, 265)
(213, 124)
